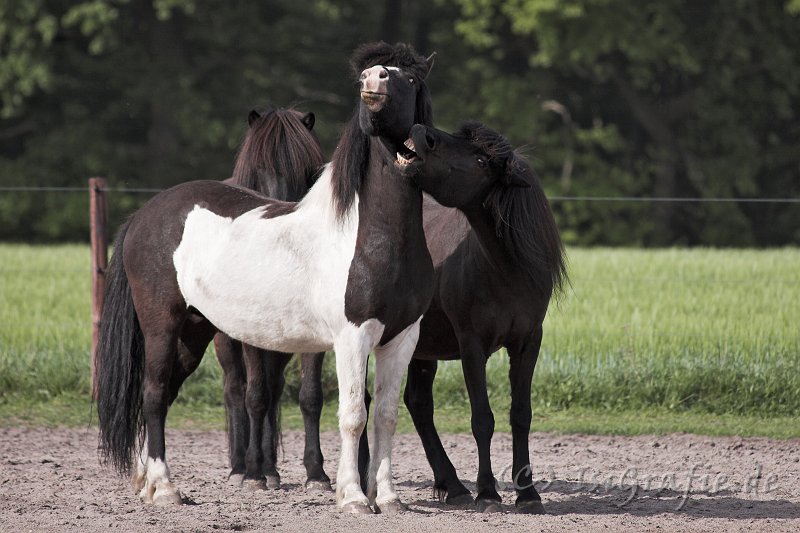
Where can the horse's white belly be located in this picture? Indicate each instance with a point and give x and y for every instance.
(277, 283)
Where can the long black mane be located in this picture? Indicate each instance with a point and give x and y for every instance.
(279, 156)
(523, 219)
(351, 157)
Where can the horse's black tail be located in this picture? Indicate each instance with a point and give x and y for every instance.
(120, 367)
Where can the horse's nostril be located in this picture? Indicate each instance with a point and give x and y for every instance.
(430, 140)
(363, 76)
(384, 74)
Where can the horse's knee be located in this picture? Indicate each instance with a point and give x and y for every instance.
(416, 401)
(311, 400)
(352, 420)
(255, 400)
(483, 425)
(386, 418)
(520, 417)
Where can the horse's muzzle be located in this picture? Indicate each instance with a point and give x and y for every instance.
(374, 101)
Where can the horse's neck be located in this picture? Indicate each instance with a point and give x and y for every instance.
(391, 276)
(484, 231)
(388, 202)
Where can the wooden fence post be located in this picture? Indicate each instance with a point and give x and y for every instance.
(98, 215)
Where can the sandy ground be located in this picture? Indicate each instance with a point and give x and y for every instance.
(51, 480)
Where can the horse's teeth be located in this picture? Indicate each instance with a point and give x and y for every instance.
(402, 160)
(410, 144)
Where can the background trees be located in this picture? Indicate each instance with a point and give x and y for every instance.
(609, 97)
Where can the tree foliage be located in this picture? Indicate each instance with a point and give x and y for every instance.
(646, 98)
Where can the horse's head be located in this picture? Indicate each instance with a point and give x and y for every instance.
(393, 93)
(460, 169)
(280, 154)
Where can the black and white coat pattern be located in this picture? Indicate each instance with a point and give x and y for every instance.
(346, 268)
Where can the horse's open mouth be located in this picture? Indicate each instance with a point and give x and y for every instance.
(408, 156)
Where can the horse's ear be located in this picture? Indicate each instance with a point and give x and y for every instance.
(252, 117)
(515, 176)
(309, 120)
(429, 62)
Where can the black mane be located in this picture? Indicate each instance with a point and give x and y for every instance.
(351, 158)
(279, 156)
(523, 219)
(398, 55)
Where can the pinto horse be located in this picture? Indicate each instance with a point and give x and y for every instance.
(281, 158)
(346, 268)
(498, 259)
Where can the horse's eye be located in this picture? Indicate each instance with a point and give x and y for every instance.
(481, 162)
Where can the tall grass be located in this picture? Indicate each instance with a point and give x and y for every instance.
(710, 331)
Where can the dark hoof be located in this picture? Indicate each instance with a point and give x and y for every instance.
(390, 508)
(460, 500)
(488, 506)
(529, 507)
(252, 485)
(273, 482)
(318, 486)
(356, 508)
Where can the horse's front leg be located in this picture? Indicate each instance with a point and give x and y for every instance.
(229, 355)
(275, 366)
(391, 361)
(523, 361)
(419, 401)
(473, 363)
(311, 407)
(256, 401)
(352, 347)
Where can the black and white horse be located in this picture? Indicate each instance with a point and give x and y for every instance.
(346, 268)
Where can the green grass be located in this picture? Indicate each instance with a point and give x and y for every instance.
(75, 410)
(645, 341)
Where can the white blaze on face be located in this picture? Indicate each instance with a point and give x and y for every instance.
(276, 283)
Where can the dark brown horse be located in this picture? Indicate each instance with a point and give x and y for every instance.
(281, 158)
(346, 268)
(498, 260)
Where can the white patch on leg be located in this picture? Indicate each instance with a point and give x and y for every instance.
(391, 363)
(352, 348)
(158, 488)
(140, 469)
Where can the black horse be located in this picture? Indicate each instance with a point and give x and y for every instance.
(346, 268)
(498, 260)
(281, 158)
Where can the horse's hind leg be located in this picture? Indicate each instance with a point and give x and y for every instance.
(161, 354)
(196, 333)
(418, 398)
(173, 350)
(274, 366)
(523, 361)
(311, 407)
(473, 363)
(229, 355)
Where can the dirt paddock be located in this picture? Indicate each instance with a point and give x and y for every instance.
(50, 480)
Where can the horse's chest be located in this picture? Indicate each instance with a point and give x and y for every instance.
(391, 280)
